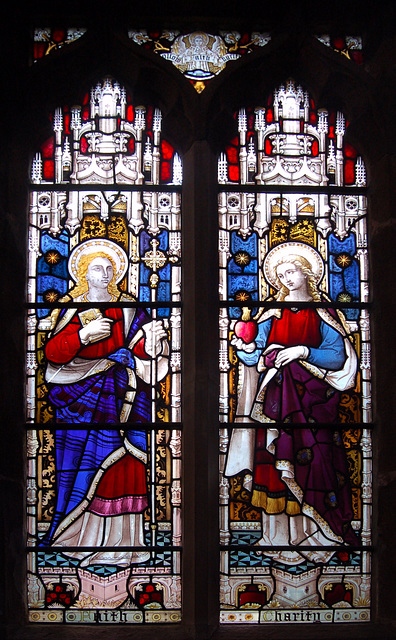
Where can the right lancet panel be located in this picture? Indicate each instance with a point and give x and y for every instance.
(295, 394)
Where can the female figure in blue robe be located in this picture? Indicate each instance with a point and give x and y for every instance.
(100, 371)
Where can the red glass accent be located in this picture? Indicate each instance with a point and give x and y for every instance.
(124, 478)
(331, 131)
(48, 170)
(338, 593)
(165, 171)
(232, 154)
(315, 148)
(150, 595)
(338, 43)
(349, 172)
(312, 117)
(83, 145)
(167, 150)
(67, 123)
(129, 114)
(58, 35)
(233, 173)
(349, 150)
(270, 115)
(149, 117)
(268, 147)
(252, 595)
(356, 56)
(246, 330)
(59, 595)
(131, 145)
(39, 50)
(85, 113)
(47, 149)
(296, 328)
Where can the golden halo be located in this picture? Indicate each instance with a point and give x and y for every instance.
(280, 254)
(100, 245)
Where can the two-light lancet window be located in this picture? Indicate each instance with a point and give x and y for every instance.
(104, 367)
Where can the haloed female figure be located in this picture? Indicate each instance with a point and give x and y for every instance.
(100, 371)
(293, 373)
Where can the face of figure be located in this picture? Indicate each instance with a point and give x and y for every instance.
(291, 276)
(99, 273)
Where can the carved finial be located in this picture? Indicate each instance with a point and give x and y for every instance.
(340, 124)
(177, 170)
(37, 169)
(260, 124)
(58, 120)
(222, 169)
(251, 157)
(139, 118)
(360, 172)
(323, 125)
(157, 120)
(242, 120)
(75, 120)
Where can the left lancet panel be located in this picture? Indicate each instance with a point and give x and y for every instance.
(104, 367)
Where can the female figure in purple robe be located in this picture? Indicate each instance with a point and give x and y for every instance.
(292, 375)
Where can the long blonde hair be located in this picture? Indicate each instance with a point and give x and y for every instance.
(81, 286)
(306, 267)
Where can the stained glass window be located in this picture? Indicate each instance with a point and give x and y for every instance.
(295, 406)
(47, 40)
(104, 366)
(200, 56)
(349, 46)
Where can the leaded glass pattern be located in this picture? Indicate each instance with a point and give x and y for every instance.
(103, 367)
(47, 40)
(199, 56)
(295, 501)
(349, 46)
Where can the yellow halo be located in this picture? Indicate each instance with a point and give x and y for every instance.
(90, 247)
(281, 252)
